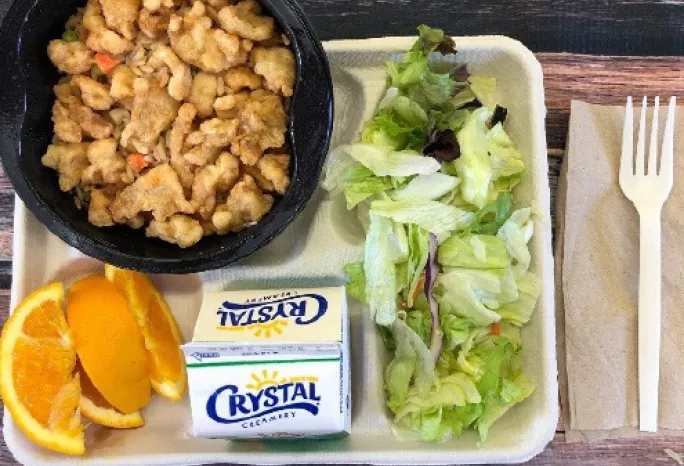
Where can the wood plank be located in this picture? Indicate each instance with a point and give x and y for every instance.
(619, 27)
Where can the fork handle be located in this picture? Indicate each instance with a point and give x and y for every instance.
(649, 318)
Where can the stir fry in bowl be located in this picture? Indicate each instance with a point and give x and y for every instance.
(171, 115)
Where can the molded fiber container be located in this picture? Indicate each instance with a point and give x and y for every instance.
(311, 252)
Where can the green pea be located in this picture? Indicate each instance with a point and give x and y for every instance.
(95, 72)
(70, 36)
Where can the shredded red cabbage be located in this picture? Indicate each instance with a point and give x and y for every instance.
(430, 277)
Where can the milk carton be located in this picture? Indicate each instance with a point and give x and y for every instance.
(270, 363)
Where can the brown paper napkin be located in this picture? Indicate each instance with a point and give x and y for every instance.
(598, 246)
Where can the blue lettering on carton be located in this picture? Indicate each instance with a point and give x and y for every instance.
(303, 309)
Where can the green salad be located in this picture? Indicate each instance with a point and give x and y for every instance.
(445, 272)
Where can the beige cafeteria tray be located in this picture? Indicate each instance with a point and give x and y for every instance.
(312, 251)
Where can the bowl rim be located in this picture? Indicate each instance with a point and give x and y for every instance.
(292, 21)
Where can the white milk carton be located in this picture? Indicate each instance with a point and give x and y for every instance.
(270, 363)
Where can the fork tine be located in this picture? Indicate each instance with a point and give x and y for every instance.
(641, 140)
(653, 144)
(668, 137)
(627, 158)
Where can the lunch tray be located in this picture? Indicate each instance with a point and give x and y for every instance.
(311, 252)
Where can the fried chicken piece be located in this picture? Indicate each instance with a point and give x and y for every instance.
(244, 19)
(196, 42)
(94, 94)
(231, 172)
(229, 106)
(100, 37)
(106, 164)
(154, 23)
(262, 126)
(66, 129)
(181, 77)
(204, 186)
(155, 5)
(274, 167)
(178, 229)
(70, 57)
(245, 206)
(218, 132)
(90, 122)
(69, 159)
(203, 93)
(98, 211)
(194, 138)
(123, 78)
(202, 154)
(277, 66)
(181, 127)
(64, 92)
(241, 77)
(158, 191)
(153, 112)
(120, 16)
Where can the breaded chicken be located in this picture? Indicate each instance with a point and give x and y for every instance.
(122, 83)
(218, 132)
(98, 210)
(275, 168)
(106, 164)
(277, 66)
(69, 160)
(70, 57)
(178, 229)
(244, 20)
(120, 16)
(241, 77)
(226, 170)
(229, 106)
(154, 23)
(262, 126)
(196, 42)
(90, 122)
(158, 191)
(94, 94)
(203, 93)
(245, 206)
(100, 37)
(153, 112)
(66, 129)
(181, 78)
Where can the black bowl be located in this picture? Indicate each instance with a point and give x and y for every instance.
(27, 77)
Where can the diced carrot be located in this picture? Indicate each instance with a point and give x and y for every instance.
(137, 162)
(419, 286)
(496, 329)
(106, 62)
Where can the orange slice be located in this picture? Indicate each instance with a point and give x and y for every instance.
(159, 329)
(37, 363)
(109, 343)
(96, 408)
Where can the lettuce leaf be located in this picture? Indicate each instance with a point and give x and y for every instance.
(383, 161)
(418, 241)
(458, 251)
(506, 160)
(457, 296)
(519, 311)
(432, 216)
(474, 166)
(516, 233)
(517, 390)
(426, 187)
(484, 89)
(356, 281)
(381, 287)
(361, 190)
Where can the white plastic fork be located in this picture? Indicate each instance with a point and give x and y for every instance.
(648, 188)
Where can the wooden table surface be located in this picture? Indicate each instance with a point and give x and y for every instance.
(594, 50)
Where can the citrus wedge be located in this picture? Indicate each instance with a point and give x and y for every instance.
(159, 329)
(96, 408)
(108, 343)
(37, 363)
